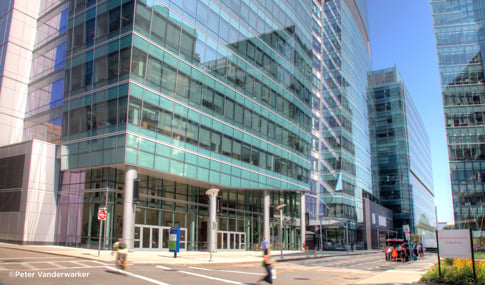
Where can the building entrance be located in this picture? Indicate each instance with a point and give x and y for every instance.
(156, 237)
(231, 240)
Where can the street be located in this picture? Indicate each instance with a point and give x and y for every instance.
(24, 267)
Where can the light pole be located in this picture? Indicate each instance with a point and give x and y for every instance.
(321, 236)
(280, 208)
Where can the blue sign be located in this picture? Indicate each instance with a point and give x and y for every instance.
(174, 239)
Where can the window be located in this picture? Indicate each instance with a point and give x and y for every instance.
(182, 85)
(114, 20)
(102, 25)
(113, 66)
(168, 78)
(138, 63)
(187, 45)
(154, 71)
(159, 27)
(173, 36)
(195, 91)
(100, 74)
(142, 17)
(205, 138)
(226, 146)
(229, 109)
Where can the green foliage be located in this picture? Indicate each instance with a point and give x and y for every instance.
(456, 271)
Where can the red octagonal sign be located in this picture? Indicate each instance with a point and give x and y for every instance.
(101, 215)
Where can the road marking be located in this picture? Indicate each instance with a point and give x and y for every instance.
(136, 276)
(210, 277)
(230, 271)
(79, 263)
(164, 267)
(55, 264)
(30, 266)
(21, 258)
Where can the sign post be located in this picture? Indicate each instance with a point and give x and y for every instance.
(455, 244)
(174, 241)
(101, 219)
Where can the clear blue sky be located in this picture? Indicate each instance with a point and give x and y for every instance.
(401, 34)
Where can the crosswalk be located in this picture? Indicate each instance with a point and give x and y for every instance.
(53, 263)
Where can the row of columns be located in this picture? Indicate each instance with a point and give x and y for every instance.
(129, 212)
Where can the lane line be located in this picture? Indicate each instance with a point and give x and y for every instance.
(164, 267)
(230, 271)
(210, 277)
(148, 279)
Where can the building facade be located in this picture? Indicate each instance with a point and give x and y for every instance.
(340, 134)
(401, 154)
(182, 97)
(458, 28)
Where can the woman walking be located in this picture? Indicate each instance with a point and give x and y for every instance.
(267, 265)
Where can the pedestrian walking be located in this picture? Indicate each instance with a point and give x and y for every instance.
(420, 251)
(121, 254)
(264, 244)
(267, 266)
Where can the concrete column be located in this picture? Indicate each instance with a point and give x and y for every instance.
(212, 193)
(128, 211)
(266, 215)
(302, 218)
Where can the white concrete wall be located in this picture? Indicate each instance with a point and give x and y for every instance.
(35, 222)
(40, 209)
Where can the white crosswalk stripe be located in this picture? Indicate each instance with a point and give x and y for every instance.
(15, 264)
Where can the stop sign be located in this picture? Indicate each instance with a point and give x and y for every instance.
(101, 215)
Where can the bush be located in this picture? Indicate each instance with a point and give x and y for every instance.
(456, 271)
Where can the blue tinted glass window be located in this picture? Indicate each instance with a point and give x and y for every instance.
(57, 93)
(60, 56)
(63, 21)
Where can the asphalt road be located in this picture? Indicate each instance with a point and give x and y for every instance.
(23, 267)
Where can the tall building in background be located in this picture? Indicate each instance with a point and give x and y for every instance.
(459, 33)
(169, 100)
(401, 154)
(340, 137)
(32, 54)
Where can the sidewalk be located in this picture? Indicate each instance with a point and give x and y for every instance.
(183, 257)
(406, 273)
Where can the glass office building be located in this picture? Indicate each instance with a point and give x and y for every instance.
(340, 137)
(458, 27)
(401, 154)
(172, 98)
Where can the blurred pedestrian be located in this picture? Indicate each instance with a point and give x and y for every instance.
(121, 254)
(267, 265)
(264, 244)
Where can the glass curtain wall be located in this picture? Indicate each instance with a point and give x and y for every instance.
(458, 28)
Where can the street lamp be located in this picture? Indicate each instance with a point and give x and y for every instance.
(280, 208)
(321, 236)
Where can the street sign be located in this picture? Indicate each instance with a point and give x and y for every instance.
(102, 215)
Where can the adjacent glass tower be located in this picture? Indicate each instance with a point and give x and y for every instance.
(459, 32)
(401, 154)
(340, 142)
(182, 96)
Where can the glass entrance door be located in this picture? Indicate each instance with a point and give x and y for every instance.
(231, 240)
(155, 237)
